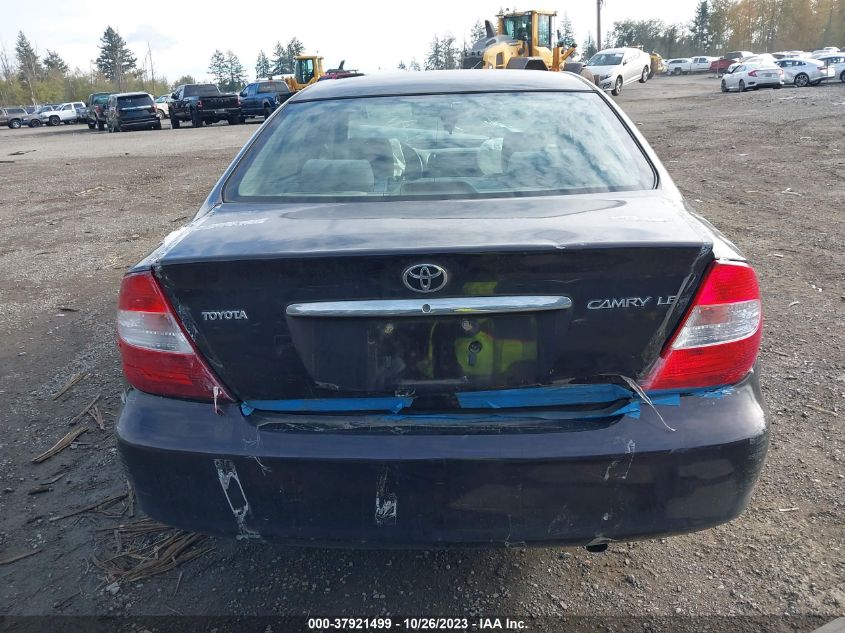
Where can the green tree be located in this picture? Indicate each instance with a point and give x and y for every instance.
(567, 31)
(588, 49)
(29, 66)
(217, 68)
(262, 66)
(700, 28)
(184, 79)
(278, 62)
(402, 65)
(235, 73)
(115, 61)
(54, 63)
(414, 65)
(451, 54)
(477, 32)
(718, 27)
(434, 58)
(293, 48)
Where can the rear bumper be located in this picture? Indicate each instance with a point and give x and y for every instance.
(145, 122)
(576, 484)
(219, 113)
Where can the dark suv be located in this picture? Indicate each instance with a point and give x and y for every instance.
(263, 97)
(131, 110)
(96, 105)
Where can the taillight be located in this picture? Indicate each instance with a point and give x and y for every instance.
(157, 355)
(753, 73)
(199, 103)
(719, 337)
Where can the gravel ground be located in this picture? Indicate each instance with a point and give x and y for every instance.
(78, 207)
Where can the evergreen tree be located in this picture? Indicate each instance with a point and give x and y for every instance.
(567, 31)
(434, 59)
(589, 47)
(235, 74)
(718, 27)
(115, 61)
(54, 63)
(414, 65)
(699, 29)
(293, 48)
(451, 54)
(29, 67)
(402, 65)
(477, 32)
(217, 69)
(184, 79)
(262, 66)
(277, 61)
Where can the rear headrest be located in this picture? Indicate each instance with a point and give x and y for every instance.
(333, 176)
(377, 151)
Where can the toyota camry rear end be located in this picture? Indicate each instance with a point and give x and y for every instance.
(442, 309)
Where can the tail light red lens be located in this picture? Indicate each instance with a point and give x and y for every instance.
(158, 357)
(199, 103)
(753, 73)
(719, 338)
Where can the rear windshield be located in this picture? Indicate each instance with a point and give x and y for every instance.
(445, 146)
(202, 90)
(134, 101)
(606, 59)
(99, 99)
(273, 86)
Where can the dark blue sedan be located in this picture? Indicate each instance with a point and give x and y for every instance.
(438, 309)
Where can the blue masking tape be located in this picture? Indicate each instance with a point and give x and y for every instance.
(542, 396)
(329, 405)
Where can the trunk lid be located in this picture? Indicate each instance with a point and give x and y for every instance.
(538, 291)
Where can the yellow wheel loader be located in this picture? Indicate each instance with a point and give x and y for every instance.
(524, 40)
(307, 69)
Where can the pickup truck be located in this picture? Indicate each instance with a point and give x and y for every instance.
(64, 113)
(202, 103)
(686, 65)
(263, 97)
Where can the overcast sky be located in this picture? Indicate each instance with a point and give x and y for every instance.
(368, 34)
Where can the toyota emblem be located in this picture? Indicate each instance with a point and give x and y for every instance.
(425, 277)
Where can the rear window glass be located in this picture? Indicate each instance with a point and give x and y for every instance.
(99, 99)
(202, 90)
(273, 86)
(134, 101)
(450, 145)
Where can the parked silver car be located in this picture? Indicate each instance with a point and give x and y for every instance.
(803, 72)
(751, 77)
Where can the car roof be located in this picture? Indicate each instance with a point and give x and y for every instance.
(442, 82)
(130, 94)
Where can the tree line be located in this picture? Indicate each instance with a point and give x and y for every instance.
(230, 75)
(719, 26)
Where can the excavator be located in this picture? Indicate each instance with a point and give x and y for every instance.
(524, 39)
(308, 69)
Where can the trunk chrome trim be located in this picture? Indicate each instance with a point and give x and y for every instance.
(442, 306)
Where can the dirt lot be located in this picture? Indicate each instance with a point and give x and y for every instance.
(78, 207)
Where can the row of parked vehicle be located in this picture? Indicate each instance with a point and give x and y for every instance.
(197, 104)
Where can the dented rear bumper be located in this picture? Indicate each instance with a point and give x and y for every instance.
(572, 483)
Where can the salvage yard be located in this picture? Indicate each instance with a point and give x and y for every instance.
(79, 207)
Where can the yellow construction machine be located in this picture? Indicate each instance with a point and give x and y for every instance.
(307, 69)
(524, 39)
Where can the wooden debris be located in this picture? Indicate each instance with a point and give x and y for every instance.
(146, 548)
(84, 411)
(46, 486)
(61, 445)
(17, 557)
(69, 384)
(68, 309)
(94, 506)
(820, 410)
(130, 500)
(97, 416)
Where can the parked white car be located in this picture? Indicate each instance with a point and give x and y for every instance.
(752, 76)
(65, 113)
(803, 72)
(685, 65)
(615, 68)
(162, 107)
(827, 50)
(760, 58)
(835, 61)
